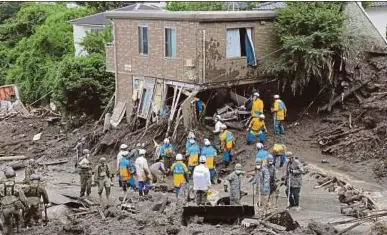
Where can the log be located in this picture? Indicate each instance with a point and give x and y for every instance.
(234, 125)
(17, 165)
(101, 213)
(351, 227)
(322, 185)
(346, 94)
(275, 227)
(54, 163)
(13, 158)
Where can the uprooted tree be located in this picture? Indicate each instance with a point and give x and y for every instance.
(312, 38)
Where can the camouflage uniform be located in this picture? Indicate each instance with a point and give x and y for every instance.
(274, 192)
(262, 178)
(102, 175)
(86, 180)
(33, 193)
(235, 181)
(28, 171)
(12, 202)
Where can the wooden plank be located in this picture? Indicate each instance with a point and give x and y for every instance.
(12, 158)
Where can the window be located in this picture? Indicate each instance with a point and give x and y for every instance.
(143, 40)
(170, 42)
(238, 42)
(95, 30)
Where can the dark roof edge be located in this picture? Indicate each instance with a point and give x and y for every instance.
(194, 16)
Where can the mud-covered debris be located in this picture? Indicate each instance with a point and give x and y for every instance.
(322, 229)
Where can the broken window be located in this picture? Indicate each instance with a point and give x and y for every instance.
(240, 44)
(170, 42)
(143, 40)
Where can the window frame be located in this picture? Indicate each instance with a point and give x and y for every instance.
(252, 38)
(141, 40)
(165, 42)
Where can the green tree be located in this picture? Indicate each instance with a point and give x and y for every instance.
(104, 6)
(195, 6)
(312, 38)
(8, 10)
(95, 42)
(83, 85)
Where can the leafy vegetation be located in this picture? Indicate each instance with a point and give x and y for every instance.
(104, 6)
(312, 37)
(195, 6)
(37, 53)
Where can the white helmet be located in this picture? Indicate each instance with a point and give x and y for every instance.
(256, 94)
(166, 141)
(259, 146)
(202, 159)
(276, 96)
(125, 153)
(191, 135)
(261, 116)
(223, 127)
(192, 141)
(142, 152)
(123, 146)
(207, 142)
(179, 157)
(217, 117)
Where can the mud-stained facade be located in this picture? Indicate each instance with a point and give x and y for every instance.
(192, 50)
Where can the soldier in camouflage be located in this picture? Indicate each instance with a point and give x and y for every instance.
(274, 189)
(34, 192)
(29, 170)
(102, 175)
(12, 201)
(235, 180)
(81, 145)
(85, 174)
(262, 179)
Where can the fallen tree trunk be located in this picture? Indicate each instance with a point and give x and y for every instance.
(328, 107)
(12, 158)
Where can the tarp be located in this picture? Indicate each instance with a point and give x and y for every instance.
(250, 51)
(118, 113)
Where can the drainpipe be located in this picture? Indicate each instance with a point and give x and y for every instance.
(204, 56)
(115, 63)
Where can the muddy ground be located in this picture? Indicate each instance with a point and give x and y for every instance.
(57, 141)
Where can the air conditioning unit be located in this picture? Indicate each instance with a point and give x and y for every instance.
(189, 63)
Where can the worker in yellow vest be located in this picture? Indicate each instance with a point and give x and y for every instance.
(278, 151)
(279, 111)
(256, 128)
(257, 107)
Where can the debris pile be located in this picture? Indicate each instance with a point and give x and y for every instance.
(358, 131)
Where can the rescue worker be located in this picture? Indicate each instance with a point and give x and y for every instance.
(81, 145)
(13, 201)
(262, 179)
(274, 192)
(191, 135)
(218, 124)
(134, 153)
(144, 176)
(123, 148)
(227, 144)
(180, 173)
(235, 180)
(102, 175)
(209, 153)
(262, 154)
(278, 151)
(279, 110)
(85, 174)
(34, 193)
(193, 152)
(294, 171)
(201, 181)
(29, 170)
(158, 171)
(167, 152)
(200, 107)
(257, 107)
(126, 172)
(257, 128)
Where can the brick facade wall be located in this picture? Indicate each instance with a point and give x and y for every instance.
(218, 67)
(125, 91)
(155, 64)
(110, 58)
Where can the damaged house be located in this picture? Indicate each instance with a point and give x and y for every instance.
(162, 60)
